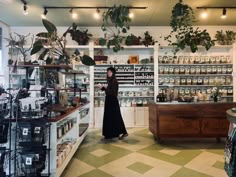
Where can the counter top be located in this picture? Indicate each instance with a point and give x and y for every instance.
(184, 103)
(59, 118)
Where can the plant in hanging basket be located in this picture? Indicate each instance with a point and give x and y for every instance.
(184, 33)
(227, 38)
(81, 37)
(115, 24)
(133, 40)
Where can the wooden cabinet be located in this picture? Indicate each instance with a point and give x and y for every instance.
(128, 115)
(98, 115)
(189, 120)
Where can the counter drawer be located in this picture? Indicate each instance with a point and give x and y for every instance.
(179, 124)
(212, 126)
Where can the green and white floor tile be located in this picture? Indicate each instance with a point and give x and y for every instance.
(140, 156)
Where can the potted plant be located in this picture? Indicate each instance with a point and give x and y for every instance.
(52, 48)
(81, 37)
(185, 34)
(133, 40)
(118, 17)
(227, 38)
(148, 39)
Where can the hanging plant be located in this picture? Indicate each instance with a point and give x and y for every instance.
(184, 33)
(81, 37)
(52, 48)
(227, 38)
(115, 25)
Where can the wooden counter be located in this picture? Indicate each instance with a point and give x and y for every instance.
(200, 120)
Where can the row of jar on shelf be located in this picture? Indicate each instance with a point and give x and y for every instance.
(130, 82)
(129, 93)
(126, 102)
(126, 69)
(196, 70)
(194, 59)
(64, 126)
(219, 80)
(224, 91)
(64, 149)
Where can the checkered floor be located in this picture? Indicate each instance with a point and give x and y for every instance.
(140, 156)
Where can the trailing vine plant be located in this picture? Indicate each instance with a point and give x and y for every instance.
(184, 33)
(115, 24)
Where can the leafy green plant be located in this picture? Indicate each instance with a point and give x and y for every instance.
(118, 18)
(184, 33)
(81, 37)
(133, 40)
(148, 39)
(53, 48)
(227, 38)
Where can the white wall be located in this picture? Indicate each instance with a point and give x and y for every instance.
(156, 32)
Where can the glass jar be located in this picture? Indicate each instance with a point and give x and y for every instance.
(166, 70)
(219, 70)
(224, 70)
(165, 59)
(192, 70)
(229, 91)
(172, 81)
(218, 59)
(187, 70)
(177, 81)
(171, 70)
(202, 59)
(176, 60)
(205, 81)
(203, 70)
(223, 59)
(214, 70)
(229, 70)
(183, 81)
(171, 60)
(209, 71)
(161, 70)
(191, 60)
(198, 70)
(196, 59)
(228, 60)
(176, 70)
(189, 81)
(186, 60)
(212, 59)
(167, 80)
(199, 81)
(181, 60)
(228, 80)
(207, 59)
(211, 81)
(160, 59)
(194, 81)
(182, 70)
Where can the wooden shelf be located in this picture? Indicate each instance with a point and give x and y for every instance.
(211, 64)
(44, 66)
(200, 75)
(194, 86)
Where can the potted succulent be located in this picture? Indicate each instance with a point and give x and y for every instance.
(227, 38)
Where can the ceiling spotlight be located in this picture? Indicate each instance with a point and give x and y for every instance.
(43, 16)
(204, 14)
(73, 14)
(223, 16)
(96, 15)
(131, 15)
(25, 12)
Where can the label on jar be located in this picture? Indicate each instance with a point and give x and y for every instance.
(183, 81)
(187, 91)
(176, 70)
(182, 70)
(199, 81)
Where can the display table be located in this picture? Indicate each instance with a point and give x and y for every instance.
(200, 120)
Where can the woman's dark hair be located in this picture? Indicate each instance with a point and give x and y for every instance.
(113, 70)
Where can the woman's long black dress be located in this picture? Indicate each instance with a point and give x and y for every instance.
(113, 124)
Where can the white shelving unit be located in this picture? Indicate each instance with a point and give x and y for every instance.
(71, 138)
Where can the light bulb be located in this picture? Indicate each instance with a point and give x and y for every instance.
(204, 15)
(43, 16)
(74, 15)
(131, 15)
(45, 12)
(224, 16)
(25, 12)
(96, 15)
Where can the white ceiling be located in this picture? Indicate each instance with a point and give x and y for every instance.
(158, 12)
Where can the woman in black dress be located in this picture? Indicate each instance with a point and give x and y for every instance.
(113, 125)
